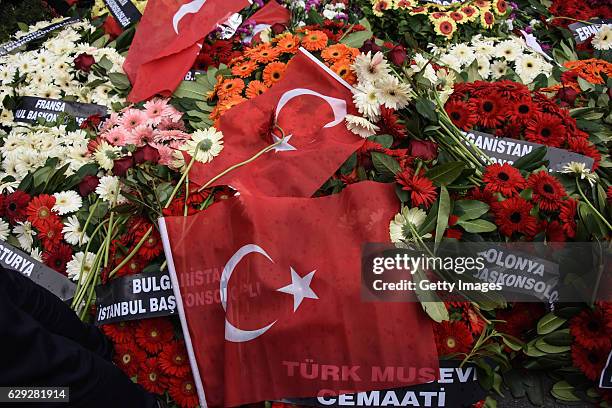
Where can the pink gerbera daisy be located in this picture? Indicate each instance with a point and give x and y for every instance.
(111, 122)
(169, 135)
(116, 136)
(133, 118)
(141, 135)
(156, 109)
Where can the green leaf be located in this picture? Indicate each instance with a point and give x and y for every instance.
(549, 323)
(314, 16)
(512, 342)
(356, 38)
(563, 391)
(470, 209)
(427, 109)
(549, 348)
(349, 165)
(536, 156)
(444, 209)
(560, 338)
(119, 81)
(384, 140)
(444, 174)
(191, 90)
(384, 164)
(477, 226)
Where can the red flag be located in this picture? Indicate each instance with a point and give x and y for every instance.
(271, 13)
(309, 104)
(168, 40)
(266, 286)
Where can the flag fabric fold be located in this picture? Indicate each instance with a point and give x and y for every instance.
(168, 40)
(309, 105)
(271, 307)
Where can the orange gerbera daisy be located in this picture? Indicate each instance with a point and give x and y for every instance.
(255, 88)
(314, 40)
(230, 86)
(343, 69)
(288, 43)
(263, 53)
(273, 72)
(226, 105)
(244, 69)
(334, 53)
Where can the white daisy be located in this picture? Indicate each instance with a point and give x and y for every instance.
(105, 155)
(370, 68)
(4, 230)
(360, 126)
(366, 100)
(204, 145)
(484, 67)
(603, 39)
(25, 234)
(499, 69)
(36, 253)
(78, 261)
(463, 53)
(67, 202)
(392, 93)
(109, 188)
(509, 50)
(73, 233)
(528, 67)
(400, 227)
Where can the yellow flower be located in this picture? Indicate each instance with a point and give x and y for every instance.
(380, 6)
(487, 19)
(445, 26)
(500, 7)
(458, 16)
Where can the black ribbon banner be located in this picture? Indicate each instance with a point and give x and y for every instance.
(457, 387)
(30, 108)
(583, 31)
(124, 11)
(9, 47)
(192, 74)
(135, 297)
(606, 376)
(506, 150)
(55, 282)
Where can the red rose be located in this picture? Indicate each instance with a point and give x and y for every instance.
(121, 166)
(568, 95)
(278, 28)
(146, 153)
(84, 62)
(88, 185)
(370, 45)
(423, 149)
(111, 27)
(397, 55)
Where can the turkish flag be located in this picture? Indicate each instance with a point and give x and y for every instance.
(168, 40)
(271, 13)
(268, 292)
(309, 104)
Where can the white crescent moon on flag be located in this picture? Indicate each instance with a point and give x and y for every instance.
(337, 105)
(189, 8)
(233, 333)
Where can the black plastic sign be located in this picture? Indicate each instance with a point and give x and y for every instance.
(505, 150)
(606, 375)
(583, 31)
(124, 11)
(14, 259)
(192, 74)
(9, 47)
(30, 108)
(135, 297)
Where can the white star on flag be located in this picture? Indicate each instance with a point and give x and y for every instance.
(284, 146)
(299, 288)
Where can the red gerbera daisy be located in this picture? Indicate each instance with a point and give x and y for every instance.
(58, 256)
(518, 320)
(489, 110)
(483, 195)
(609, 194)
(152, 334)
(183, 392)
(452, 337)
(14, 206)
(504, 179)
(422, 191)
(40, 211)
(512, 215)
(589, 361)
(592, 328)
(512, 90)
(151, 377)
(583, 146)
(546, 129)
(389, 123)
(547, 190)
(523, 110)
(122, 332)
(568, 217)
(173, 359)
(129, 357)
(152, 246)
(134, 265)
(554, 231)
(461, 113)
(51, 233)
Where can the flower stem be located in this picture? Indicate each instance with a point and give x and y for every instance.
(591, 205)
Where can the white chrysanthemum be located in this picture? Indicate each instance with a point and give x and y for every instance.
(370, 68)
(392, 93)
(6, 117)
(603, 39)
(105, 155)
(204, 145)
(360, 126)
(580, 170)
(4, 230)
(509, 50)
(25, 234)
(366, 100)
(484, 67)
(528, 67)
(36, 253)
(499, 69)
(109, 189)
(73, 233)
(67, 202)
(400, 227)
(463, 53)
(484, 49)
(80, 261)
(451, 62)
